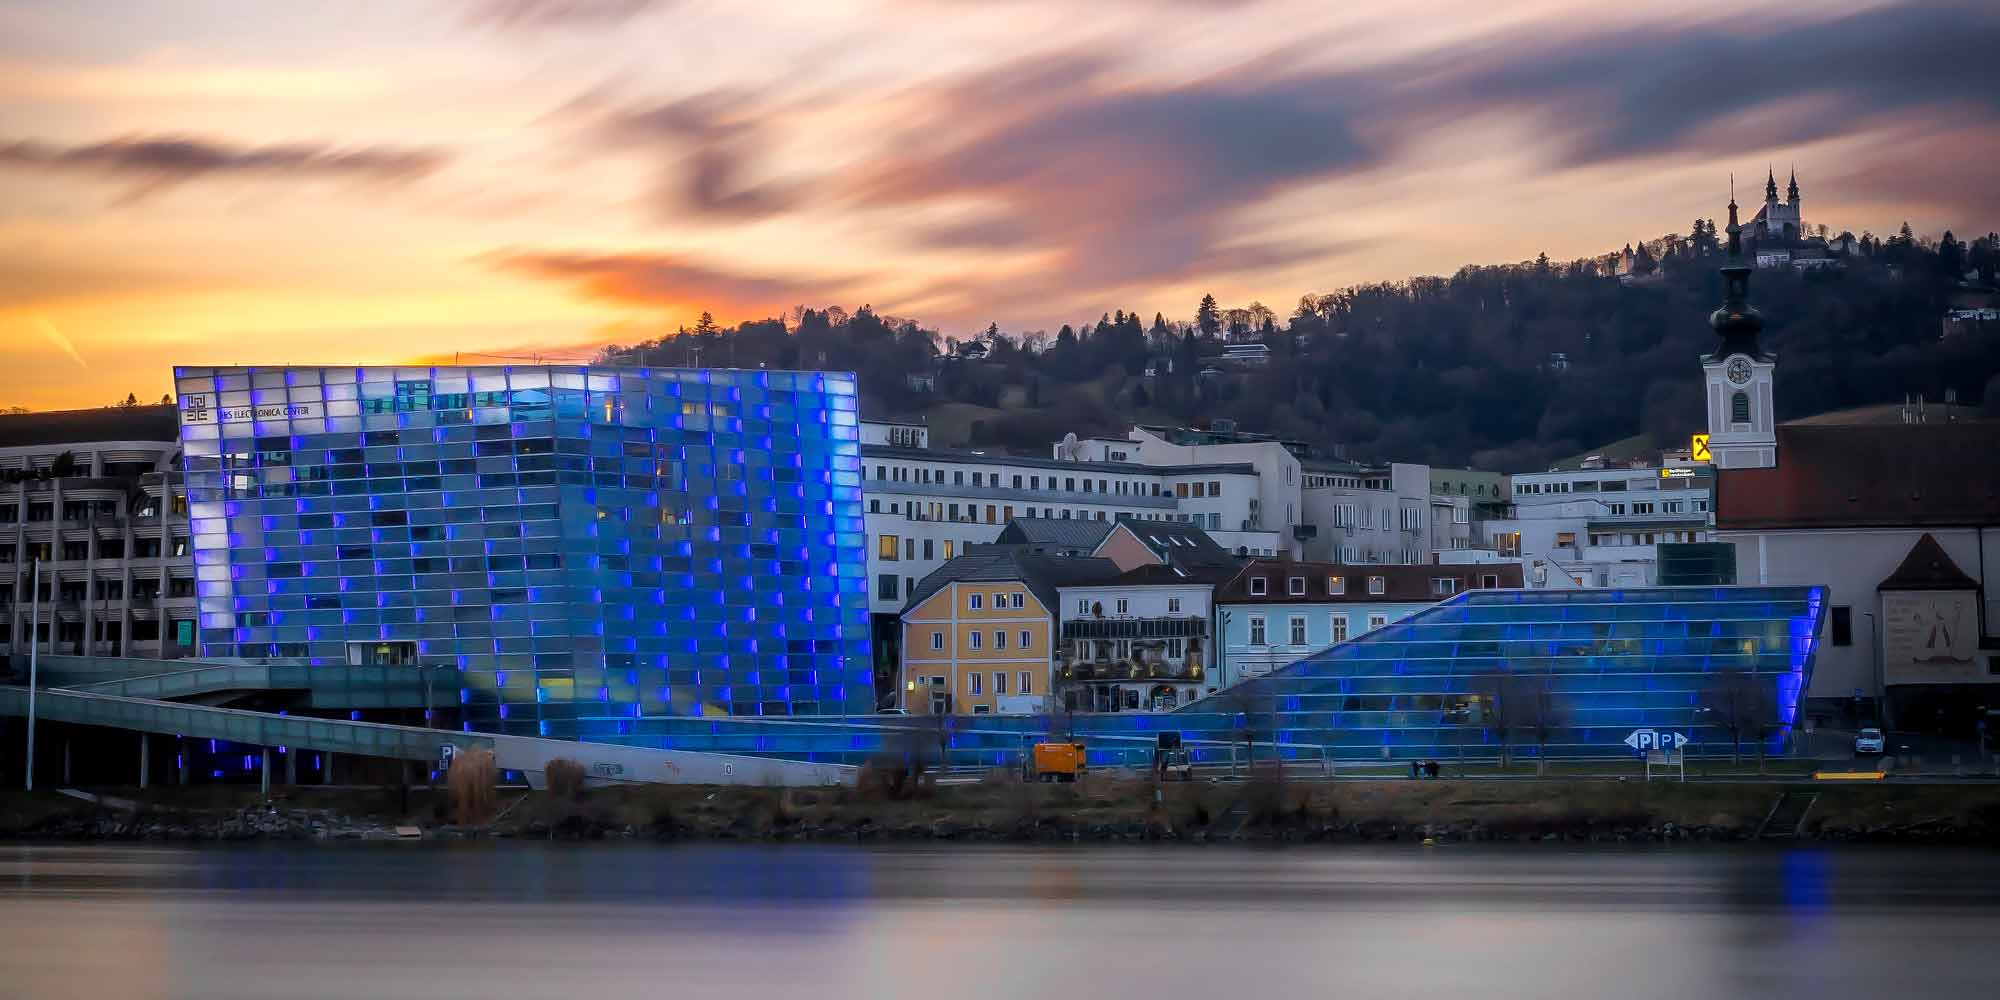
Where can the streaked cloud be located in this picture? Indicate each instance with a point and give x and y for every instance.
(525, 14)
(157, 162)
(62, 343)
(597, 169)
(661, 281)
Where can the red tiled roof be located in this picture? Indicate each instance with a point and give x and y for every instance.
(1401, 582)
(1848, 476)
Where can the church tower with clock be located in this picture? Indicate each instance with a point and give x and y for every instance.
(1742, 433)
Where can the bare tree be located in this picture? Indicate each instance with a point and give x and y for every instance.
(1518, 706)
(1257, 703)
(1744, 704)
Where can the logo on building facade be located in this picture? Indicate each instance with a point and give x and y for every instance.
(196, 408)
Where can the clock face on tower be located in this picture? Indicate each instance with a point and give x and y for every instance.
(1738, 371)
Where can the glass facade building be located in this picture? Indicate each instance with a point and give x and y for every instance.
(1490, 673)
(1569, 673)
(593, 551)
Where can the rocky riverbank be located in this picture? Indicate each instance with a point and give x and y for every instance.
(1100, 810)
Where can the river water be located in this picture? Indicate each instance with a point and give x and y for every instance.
(514, 920)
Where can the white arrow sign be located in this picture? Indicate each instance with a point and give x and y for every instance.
(1653, 739)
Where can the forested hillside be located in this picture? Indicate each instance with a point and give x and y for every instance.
(1447, 370)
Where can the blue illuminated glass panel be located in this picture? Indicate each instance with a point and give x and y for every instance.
(589, 548)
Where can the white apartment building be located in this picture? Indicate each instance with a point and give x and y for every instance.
(1138, 643)
(1383, 514)
(1598, 527)
(1273, 510)
(925, 506)
(109, 526)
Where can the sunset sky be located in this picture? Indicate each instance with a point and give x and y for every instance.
(371, 182)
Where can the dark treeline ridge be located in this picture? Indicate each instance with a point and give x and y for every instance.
(1447, 370)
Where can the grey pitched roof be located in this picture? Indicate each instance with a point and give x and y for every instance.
(1054, 532)
(1042, 574)
(1181, 544)
(110, 423)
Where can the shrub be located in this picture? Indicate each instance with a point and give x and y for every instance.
(564, 777)
(470, 781)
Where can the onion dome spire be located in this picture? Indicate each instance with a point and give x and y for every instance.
(1737, 322)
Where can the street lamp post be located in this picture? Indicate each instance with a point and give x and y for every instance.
(34, 618)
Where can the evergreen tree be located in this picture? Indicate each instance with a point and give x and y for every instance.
(1208, 316)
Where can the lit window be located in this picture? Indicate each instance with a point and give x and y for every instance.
(1378, 585)
(1336, 585)
(889, 548)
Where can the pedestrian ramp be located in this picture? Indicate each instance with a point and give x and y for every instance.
(604, 763)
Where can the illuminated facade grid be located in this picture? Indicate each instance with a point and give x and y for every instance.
(592, 549)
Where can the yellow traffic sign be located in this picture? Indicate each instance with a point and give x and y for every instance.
(1698, 448)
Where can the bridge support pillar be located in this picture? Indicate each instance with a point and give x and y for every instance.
(291, 765)
(264, 772)
(326, 769)
(66, 779)
(145, 759)
(181, 762)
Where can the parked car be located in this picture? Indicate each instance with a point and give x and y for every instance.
(1868, 741)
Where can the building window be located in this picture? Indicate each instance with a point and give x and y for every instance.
(885, 586)
(910, 548)
(1083, 605)
(1339, 628)
(1336, 585)
(1017, 600)
(1642, 508)
(1298, 630)
(1843, 626)
(937, 680)
(1027, 642)
(1173, 605)
(1024, 678)
(1000, 638)
(1124, 606)
(999, 682)
(976, 640)
(1566, 538)
(1257, 586)
(973, 679)
(929, 552)
(1377, 621)
(1256, 630)
(947, 548)
(1739, 408)
(1443, 586)
(937, 639)
(1378, 585)
(1490, 581)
